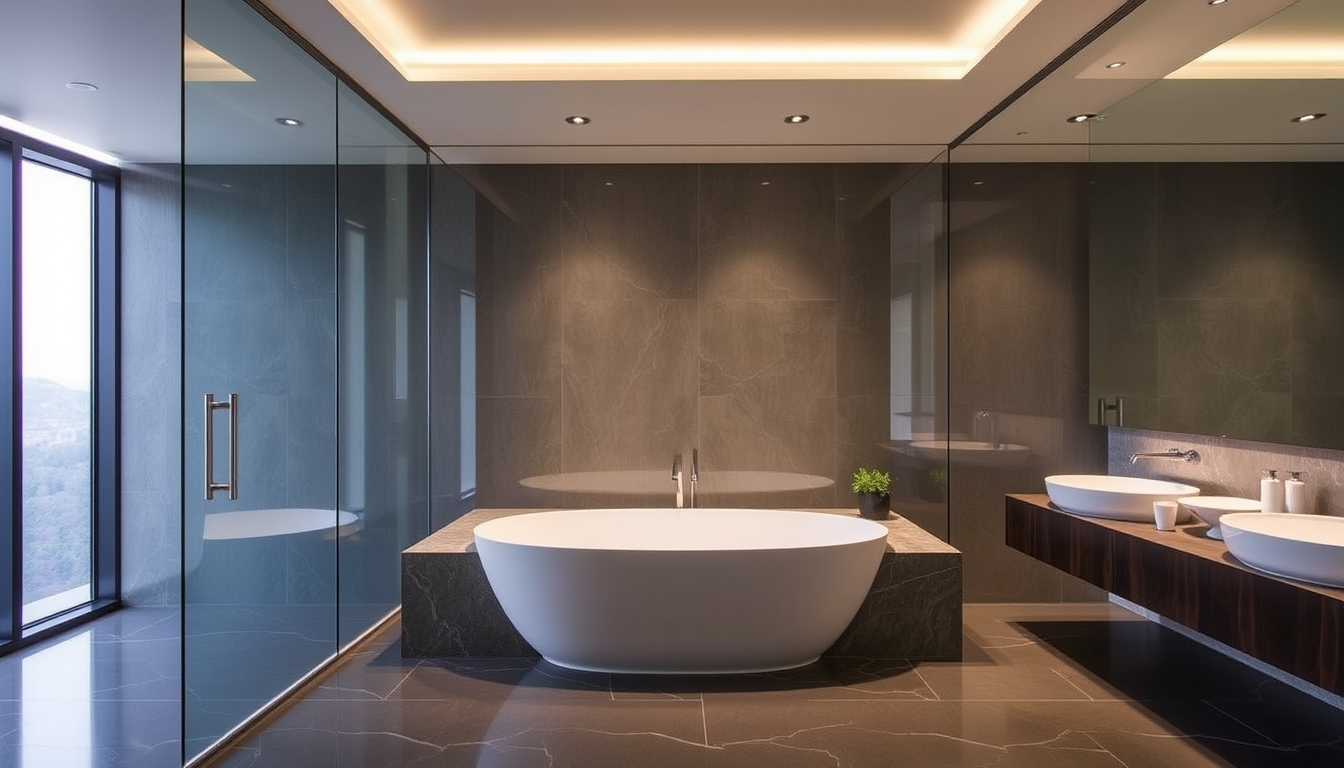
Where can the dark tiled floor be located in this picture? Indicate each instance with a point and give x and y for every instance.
(1040, 686)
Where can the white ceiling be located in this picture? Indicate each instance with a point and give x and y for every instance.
(131, 49)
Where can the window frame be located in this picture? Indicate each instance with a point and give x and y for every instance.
(105, 576)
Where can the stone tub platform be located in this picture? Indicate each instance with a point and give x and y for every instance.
(913, 610)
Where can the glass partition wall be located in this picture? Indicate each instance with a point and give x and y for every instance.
(305, 365)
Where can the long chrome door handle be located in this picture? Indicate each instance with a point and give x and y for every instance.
(212, 405)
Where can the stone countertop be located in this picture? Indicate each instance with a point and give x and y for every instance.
(1188, 538)
(903, 535)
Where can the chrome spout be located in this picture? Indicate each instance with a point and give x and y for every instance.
(1190, 456)
(676, 476)
(695, 473)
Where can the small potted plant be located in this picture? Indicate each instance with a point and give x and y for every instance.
(874, 489)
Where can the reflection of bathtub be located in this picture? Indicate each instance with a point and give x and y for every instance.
(680, 590)
(258, 523)
(659, 482)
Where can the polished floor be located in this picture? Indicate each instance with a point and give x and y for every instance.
(1039, 686)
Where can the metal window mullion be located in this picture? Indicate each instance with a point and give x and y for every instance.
(11, 587)
(106, 422)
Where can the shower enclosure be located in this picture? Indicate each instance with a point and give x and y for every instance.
(305, 400)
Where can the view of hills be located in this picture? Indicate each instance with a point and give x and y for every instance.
(57, 488)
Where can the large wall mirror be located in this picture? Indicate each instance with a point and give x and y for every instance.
(1217, 243)
(1215, 246)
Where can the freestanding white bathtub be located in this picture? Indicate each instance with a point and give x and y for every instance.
(680, 591)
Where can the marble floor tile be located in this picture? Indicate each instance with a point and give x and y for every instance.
(1041, 686)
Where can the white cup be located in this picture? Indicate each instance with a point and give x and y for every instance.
(1164, 514)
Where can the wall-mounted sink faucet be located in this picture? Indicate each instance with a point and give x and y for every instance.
(1190, 456)
(676, 476)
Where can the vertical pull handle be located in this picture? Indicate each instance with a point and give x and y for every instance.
(1117, 407)
(212, 405)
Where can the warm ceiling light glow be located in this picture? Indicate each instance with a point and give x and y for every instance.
(1303, 60)
(289, 122)
(202, 65)
(1115, 65)
(1083, 118)
(1308, 118)
(1302, 42)
(796, 119)
(445, 41)
(578, 120)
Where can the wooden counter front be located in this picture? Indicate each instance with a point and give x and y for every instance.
(1192, 580)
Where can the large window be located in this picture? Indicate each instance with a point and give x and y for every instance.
(57, 388)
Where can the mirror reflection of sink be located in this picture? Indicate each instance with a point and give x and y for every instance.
(1303, 547)
(975, 452)
(1114, 497)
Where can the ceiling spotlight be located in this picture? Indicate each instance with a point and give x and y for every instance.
(1083, 118)
(289, 122)
(78, 86)
(1308, 118)
(1115, 65)
(1217, 2)
(796, 119)
(578, 120)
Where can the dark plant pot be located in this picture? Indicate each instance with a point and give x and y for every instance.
(875, 506)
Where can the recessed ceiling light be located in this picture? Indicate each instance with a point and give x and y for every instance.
(765, 183)
(1308, 118)
(289, 122)
(1083, 118)
(1115, 65)
(1217, 2)
(578, 120)
(796, 119)
(78, 86)
(978, 183)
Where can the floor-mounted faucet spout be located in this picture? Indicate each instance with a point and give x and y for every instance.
(676, 476)
(695, 473)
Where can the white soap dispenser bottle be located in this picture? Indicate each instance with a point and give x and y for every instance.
(1271, 492)
(1295, 493)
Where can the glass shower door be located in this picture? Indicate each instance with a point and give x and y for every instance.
(259, 356)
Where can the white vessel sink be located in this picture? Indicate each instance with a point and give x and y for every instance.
(974, 452)
(1113, 497)
(1210, 510)
(1304, 547)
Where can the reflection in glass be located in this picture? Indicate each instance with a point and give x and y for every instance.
(56, 718)
(57, 302)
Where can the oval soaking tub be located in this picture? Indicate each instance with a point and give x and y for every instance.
(680, 591)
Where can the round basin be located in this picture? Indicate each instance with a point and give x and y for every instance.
(1113, 497)
(1307, 548)
(1210, 510)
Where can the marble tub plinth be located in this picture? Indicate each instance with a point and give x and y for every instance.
(912, 611)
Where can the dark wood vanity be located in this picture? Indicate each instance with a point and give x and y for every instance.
(1192, 580)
